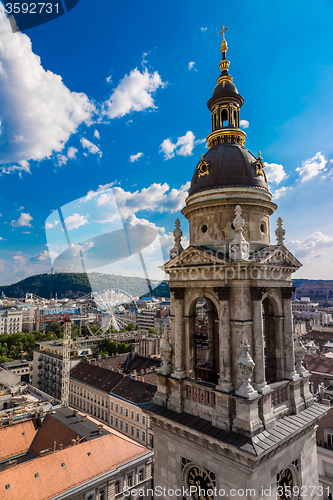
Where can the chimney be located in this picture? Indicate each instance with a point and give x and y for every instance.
(84, 417)
(61, 446)
(75, 413)
(100, 427)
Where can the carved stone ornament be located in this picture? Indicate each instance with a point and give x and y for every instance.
(239, 248)
(223, 292)
(259, 165)
(246, 365)
(203, 167)
(257, 292)
(280, 232)
(177, 247)
(178, 293)
(165, 350)
(300, 352)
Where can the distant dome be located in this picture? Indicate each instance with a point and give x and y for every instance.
(230, 165)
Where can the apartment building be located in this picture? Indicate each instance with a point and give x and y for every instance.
(114, 399)
(47, 362)
(20, 367)
(10, 321)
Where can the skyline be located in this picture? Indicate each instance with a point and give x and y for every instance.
(104, 107)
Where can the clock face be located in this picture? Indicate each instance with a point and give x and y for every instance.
(200, 483)
(285, 484)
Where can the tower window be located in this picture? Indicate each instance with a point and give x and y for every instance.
(224, 118)
(204, 228)
(263, 227)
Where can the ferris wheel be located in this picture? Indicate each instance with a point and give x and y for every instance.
(110, 304)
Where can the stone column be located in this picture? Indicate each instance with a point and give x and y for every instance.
(259, 378)
(179, 333)
(225, 380)
(288, 339)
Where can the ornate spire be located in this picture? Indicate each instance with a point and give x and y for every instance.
(224, 64)
(177, 247)
(280, 232)
(224, 105)
(239, 248)
(165, 351)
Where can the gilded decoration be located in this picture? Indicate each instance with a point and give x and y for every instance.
(203, 167)
(259, 165)
(226, 135)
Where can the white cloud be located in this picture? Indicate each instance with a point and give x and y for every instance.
(92, 148)
(96, 134)
(23, 220)
(71, 153)
(50, 225)
(280, 192)
(203, 29)
(135, 157)
(22, 167)
(244, 124)
(74, 221)
(312, 167)
(42, 255)
(315, 250)
(191, 65)
(19, 258)
(156, 198)
(184, 146)
(38, 112)
(275, 172)
(133, 93)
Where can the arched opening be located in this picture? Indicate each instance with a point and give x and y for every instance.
(271, 340)
(224, 118)
(206, 341)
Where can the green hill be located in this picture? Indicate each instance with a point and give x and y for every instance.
(74, 285)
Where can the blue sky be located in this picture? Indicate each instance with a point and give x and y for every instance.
(108, 103)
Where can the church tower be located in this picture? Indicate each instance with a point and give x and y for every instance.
(233, 415)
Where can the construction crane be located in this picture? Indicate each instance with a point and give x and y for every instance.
(66, 353)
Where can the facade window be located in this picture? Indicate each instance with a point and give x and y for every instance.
(130, 480)
(328, 435)
(111, 405)
(143, 436)
(144, 419)
(121, 425)
(102, 495)
(151, 441)
(132, 430)
(116, 422)
(116, 407)
(126, 428)
(138, 433)
(132, 415)
(121, 410)
(111, 420)
(126, 412)
(117, 487)
(141, 475)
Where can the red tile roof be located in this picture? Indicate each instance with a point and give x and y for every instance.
(15, 439)
(82, 462)
(318, 363)
(51, 435)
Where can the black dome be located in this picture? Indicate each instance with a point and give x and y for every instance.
(230, 165)
(224, 88)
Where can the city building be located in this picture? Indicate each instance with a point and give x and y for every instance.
(325, 454)
(113, 398)
(64, 455)
(20, 367)
(48, 361)
(10, 321)
(233, 413)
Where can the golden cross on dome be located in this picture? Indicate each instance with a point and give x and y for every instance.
(223, 30)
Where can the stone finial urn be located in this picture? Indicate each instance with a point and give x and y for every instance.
(246, 365)
(300, 351)
(165, 350)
